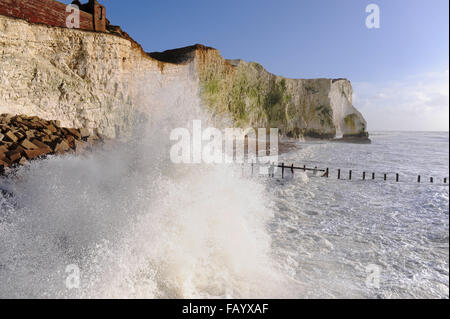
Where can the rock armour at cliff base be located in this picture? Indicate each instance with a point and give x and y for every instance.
(104, 82)
(25, 138)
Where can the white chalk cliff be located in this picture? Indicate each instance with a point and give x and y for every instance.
(105, 82)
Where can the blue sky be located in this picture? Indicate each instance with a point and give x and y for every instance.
(400, 67)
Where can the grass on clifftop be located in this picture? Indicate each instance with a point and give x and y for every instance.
(250, 96)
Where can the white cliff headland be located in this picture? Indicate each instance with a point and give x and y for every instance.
(98, 78)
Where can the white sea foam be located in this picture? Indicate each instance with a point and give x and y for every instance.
(328, 231)
(138, 226)
(135, 224)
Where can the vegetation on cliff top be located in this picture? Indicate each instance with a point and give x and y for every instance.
(255, 98)
(249, 96)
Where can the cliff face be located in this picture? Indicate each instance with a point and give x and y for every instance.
(299, 108)
(84, 79)
(105, 82)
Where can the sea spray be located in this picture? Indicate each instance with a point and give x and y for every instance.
(135, 224)
(195, 232)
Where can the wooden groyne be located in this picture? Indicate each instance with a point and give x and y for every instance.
(348, 175)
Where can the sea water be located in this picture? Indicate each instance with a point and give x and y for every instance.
(138, 227)
(125, 222)
(331, 234)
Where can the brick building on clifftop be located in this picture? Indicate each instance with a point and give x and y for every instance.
(54, 13)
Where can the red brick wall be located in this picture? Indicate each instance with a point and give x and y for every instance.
(99, 18)
(48, 12)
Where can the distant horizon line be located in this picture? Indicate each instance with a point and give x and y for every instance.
(406, 131)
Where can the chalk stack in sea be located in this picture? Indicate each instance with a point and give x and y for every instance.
(25, 138)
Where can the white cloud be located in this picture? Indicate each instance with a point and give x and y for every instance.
(417, 103)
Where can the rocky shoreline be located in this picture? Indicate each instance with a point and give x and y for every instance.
(26, 138)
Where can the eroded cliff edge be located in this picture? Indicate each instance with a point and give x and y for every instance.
(105, 82)
(253, 97)
(99, 81)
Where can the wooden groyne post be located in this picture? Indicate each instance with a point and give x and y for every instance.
(326, 173)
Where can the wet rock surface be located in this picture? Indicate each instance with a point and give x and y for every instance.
(25, 138)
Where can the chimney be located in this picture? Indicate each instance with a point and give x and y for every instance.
(99, 15)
